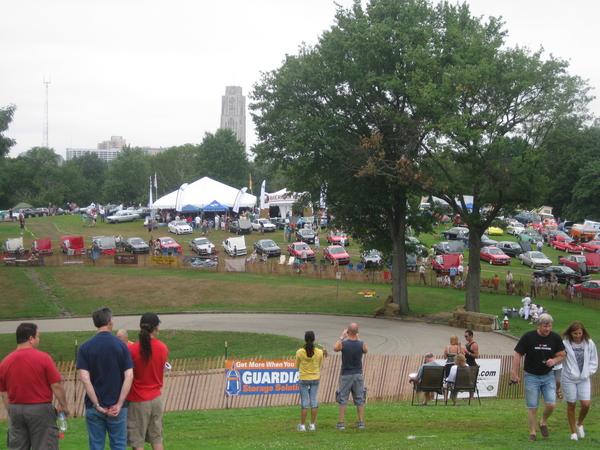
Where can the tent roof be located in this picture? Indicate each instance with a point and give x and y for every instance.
(202, 192)
(214, 206)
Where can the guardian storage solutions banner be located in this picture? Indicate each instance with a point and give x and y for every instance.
(261, 377)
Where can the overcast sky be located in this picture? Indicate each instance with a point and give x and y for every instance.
(154, 71)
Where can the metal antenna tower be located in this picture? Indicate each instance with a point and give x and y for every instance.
(47, 83)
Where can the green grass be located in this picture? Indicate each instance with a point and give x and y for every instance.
(497, 424)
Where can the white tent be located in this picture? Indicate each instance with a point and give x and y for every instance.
(284, 199)
(202, 192)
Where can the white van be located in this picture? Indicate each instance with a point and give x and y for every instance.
(235, 246)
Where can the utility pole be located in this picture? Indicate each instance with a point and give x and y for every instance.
(45, 142)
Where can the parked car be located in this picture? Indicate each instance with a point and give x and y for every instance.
(510, 248)
(566, 245)
(104, 244)
(551, 236)
(123, 216)
(280, 222)
(235, 246)
(563, 274)
(591, 246)
(202, 246)
(337, 237)
(588, 263)
(266, 225)
(371, 258)
(515, 228)
(42, 212)
(487, 242)
(42, 246)
(179, 227)
(494, 231)
(588, 289)
(305, 235)
(240, 227)
(494, 255)
(336, 253)
(531, 236)
(296, 248)
(72, 245)
(413, 245)
(534, 259)
(14, 246)
(136, 245)
(169, 244)
(454, 233)
(442, 248)
(28, 213)
(267, 247)
(445, 262)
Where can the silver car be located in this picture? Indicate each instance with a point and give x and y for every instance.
(123, 216)
(535, 260)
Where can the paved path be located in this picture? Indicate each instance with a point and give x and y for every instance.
(383, 336)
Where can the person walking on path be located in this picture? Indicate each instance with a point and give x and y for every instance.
(351, 376)
(542, 349)
(309, 361)
(581, 363)
(145, 415)
(106, 371)
(28, 378)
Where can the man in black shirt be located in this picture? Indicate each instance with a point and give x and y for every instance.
(542, 349)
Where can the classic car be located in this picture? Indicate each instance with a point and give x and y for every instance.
(136, 245)
(487, 242)
(515, 228)
(591, 246)
(588, 263)
(534, 259)
(72, 245)
(296, 249)
(494, 231)
(240, 227)
(446, 247)
(179, 227)
(336, 253)
(566, 245)
(305, 235)
(169, 244)
(552, 234)
(266, 225)
(494, 255)
(337, 237)
(510, 248)
(454, 233)
(413, 245)
(563, 274)
(529, 236)
(267, 247)
(202, 246)
(371, 258)
(123, 216)
(445, 262)
(588, 289)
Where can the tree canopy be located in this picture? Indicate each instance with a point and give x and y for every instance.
(6, 116)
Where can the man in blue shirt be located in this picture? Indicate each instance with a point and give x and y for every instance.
(351, 376)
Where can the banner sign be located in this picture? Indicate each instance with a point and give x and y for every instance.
(163, 260)
(261, 377)
(126, 259)
(488, 379)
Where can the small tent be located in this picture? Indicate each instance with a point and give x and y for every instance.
(215, 207)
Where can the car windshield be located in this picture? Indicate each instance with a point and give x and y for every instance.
(373, 253)
(167, 241)
(496, 251)
(336, 250)
(537, 255)
(264, 221)
(201, 241)
(568, 270)
(268, 244)
(306, 232)
(594, 243)
(179, 223)
(338, 233)
(136, 241)
(302, 247)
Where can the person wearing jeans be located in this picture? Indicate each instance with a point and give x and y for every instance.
(309, 361)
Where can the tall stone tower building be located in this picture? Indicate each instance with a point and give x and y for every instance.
(233, 112)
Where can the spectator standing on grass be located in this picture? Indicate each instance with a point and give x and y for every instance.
(422, 275)
(496, 283)
(145, 416)
(28, 378)
(542, 349)
(351, 376)
(106, 371)
(309, 361)
(124, 336)
(508, 279)
(317, 241)
(539, 282)
(580, 364)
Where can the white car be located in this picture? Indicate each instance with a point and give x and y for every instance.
(515, 228)
(180, 227)
(266, 224)
(123, 216)
(202, 246)
(535, 260)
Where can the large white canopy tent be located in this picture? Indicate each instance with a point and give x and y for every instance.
(202, 192)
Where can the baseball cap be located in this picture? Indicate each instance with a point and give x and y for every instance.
(150, 318)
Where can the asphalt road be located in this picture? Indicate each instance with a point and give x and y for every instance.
(383, 336)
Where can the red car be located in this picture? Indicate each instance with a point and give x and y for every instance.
(445, 262)
(573, 261)
(169, 244)
(72, 245)
(337, 237)
(588, 289)
(566, 245)
(296, 249)
(42, 246)
(591, 246)
(590, 262)
(494, 255)
(336, 253)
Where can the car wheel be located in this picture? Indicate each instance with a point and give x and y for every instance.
(567, 250)
(522, 262)
(554, 247)
(532, 266)
(579, 294)
(491, 261)
(237, 232)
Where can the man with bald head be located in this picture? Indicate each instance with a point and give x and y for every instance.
(351, 376)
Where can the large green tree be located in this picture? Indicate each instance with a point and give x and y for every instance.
(174, 166)
(6, 116)
(127, 178)
(84, 178)
(222, 157)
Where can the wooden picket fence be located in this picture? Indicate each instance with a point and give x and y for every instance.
(199, 384)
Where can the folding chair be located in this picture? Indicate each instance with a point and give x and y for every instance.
(432, 380)
(350, 268)
(466, 381)
(291, 260)
(282, 259)
(359, 267)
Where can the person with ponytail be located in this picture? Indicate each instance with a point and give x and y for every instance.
(309, 360)
(149, 355)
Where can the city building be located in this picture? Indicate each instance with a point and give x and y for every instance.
(233, 112)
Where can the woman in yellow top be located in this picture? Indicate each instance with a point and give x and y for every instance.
(309, 360)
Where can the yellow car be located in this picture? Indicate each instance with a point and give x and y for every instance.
(495, 231)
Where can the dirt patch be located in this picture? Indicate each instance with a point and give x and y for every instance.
(430, 318)
(43, 286)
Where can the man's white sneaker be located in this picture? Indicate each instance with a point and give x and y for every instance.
(580, 431)
(301, 428)
(574, 437)
(311, 427)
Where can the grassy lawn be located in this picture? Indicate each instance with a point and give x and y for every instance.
(497, 424)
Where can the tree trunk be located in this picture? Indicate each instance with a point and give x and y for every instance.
(399, 268)
(474, 275)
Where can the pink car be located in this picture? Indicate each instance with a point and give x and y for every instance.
(169, 244)
(296, 249)
(336, 253)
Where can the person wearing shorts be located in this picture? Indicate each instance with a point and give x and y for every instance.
(149, 355)
(351, 376)
(581, 363)
(542, 349)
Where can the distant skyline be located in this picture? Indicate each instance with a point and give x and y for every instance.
(154, 72)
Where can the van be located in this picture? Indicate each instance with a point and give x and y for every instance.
(235, 246)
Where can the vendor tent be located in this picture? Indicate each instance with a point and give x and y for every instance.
(284, 199)
(202, 193)
(190, 209)
(215, 206)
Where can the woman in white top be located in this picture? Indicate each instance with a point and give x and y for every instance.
(581, 363)
(459, 361)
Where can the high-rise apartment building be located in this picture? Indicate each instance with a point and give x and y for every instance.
(233, 112)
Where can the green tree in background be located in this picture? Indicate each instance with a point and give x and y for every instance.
(174, 167)
(222, 157)
(6, 116)
(84, 178)
(127, 178)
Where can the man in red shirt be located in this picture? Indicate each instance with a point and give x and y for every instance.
(28, 378)
(149, 355)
